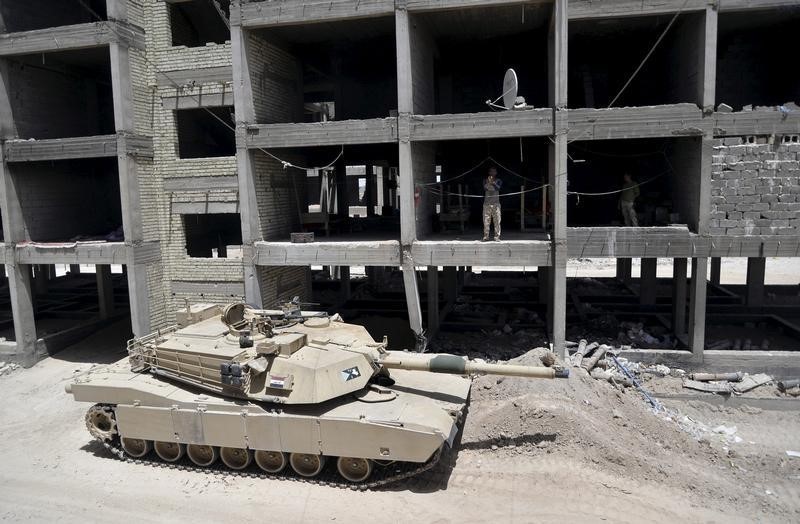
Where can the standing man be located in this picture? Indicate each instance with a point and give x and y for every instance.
(491, 204)
(630, 192)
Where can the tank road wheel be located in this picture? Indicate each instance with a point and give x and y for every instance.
(100, 422)
(271, 461)
(354, 469)
(202, 455)
(169, 451)
(236, 458)
(136, 447)
(306, 464)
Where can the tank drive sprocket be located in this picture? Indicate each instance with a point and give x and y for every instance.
(101, 423)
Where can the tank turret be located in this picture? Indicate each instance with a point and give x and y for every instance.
(282, 387)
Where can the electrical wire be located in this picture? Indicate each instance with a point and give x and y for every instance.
(605, 193)
(443, 192)
(286, 164)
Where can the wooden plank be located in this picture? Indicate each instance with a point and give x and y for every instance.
(757, 123)
(290, 12)
(536, 122)
(68, 37)
(366, 253)
(333, 133)
(674, 120)
(201, 75)
(477, 253)
(78, 253)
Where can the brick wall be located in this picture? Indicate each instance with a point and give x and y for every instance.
(53, 197)
(277, 83)
(755, 188)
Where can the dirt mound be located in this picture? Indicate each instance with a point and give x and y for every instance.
(609, 429)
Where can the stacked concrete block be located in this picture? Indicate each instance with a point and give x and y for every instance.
(755, 188)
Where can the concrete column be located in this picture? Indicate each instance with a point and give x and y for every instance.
(756, 270)
(369, 190)
(624, 267)
(245, 159)
(105, 290)
(450, 276)
(679, 286)
(412, 299)
(697, 308)
(19, 287)
(342, 200)
(708, 59)
(41, 279)
(648, 282)
(557, 175)
(543, 281)
(75, 269)
(344, 283)
(433, 300)
(716, 270)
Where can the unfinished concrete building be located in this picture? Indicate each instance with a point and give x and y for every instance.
(209, 131)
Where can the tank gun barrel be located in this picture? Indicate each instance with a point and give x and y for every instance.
(455, 365)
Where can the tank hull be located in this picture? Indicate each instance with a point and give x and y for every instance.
(407, 422)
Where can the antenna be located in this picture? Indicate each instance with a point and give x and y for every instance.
(510, 88)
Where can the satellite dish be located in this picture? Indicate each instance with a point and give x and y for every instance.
(510, 88)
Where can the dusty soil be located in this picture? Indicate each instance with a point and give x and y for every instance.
(531, 451)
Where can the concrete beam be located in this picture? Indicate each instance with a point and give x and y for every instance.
(756, 270)
(477, 253)
(629, 241)
(672, 121)
(198, 76)
(201, 183)
(581, 9)
(332, 133)
(69, 37)
(756, 122)
(372, 253)
(292, 12)
(79, 147)
(197, 100)
(535, 122)
(183, 287)
(442, 5)
(72, 253)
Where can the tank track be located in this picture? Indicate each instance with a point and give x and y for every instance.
(381, 476)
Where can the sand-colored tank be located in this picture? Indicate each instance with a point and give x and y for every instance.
(284, 391)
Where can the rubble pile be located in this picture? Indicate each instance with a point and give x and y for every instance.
(8, 368)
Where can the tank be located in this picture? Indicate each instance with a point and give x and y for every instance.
(283, 393)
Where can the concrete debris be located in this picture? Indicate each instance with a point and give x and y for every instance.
(708, 387)
(724, 108)
(548, 359)
(8, 368)
(795, 454)
(751, 382)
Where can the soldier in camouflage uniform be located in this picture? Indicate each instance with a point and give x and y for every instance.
(491, 204)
